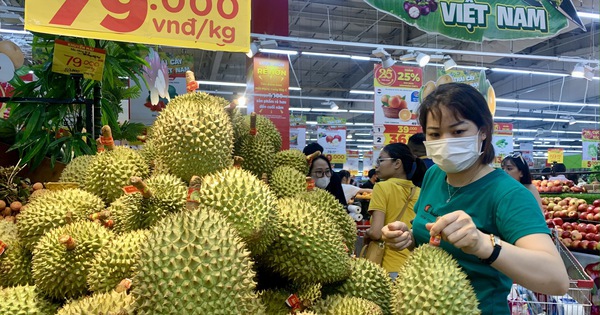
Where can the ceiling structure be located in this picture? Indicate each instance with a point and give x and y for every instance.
(352, 27)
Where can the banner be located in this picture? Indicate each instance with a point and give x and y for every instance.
(177, 64)
(351, 164)
(479, 20)
(555, 155)
(333, 141)
(71, 58)
(271, 76)
(590, 148)
(329, 121)
(502, 140)
(297, 132)
(209, 25)
(526, 149)
(141, 109)
(470, 77)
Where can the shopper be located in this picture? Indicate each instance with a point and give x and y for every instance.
(488, 222)
(398, 170)
(350, 190)
(415, 143)
(372, 179)
(321, 172)
(515, 166)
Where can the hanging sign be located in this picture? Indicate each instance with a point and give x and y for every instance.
(590, 148)
(502, 140)
(210, 25)
(526, 149)
(297, 132)
(333, 141)
(71, 58)
(367, 162)
(479, 20)
(352, 162)
(555, 155)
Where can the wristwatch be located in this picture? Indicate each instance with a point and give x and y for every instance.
(496, 242)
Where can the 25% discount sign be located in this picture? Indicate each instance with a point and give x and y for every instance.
(206, 24)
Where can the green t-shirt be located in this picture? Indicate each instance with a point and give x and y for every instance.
(498, 205)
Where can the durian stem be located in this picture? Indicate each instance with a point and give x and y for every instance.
(67, 241)
(195, 183)
(190, 82)
(311, 157)
(138, 183)
(265, 178)
(253, 124)
(69, 217)
(229, 108)
(237, 161)
(123, 286)
(99, 145)
(107, 138)
(102, 215)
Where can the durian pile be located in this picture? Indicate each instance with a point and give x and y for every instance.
(183, 227)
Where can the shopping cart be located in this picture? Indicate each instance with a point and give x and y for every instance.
(577, 301)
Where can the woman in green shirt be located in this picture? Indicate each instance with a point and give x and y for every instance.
(489, 222)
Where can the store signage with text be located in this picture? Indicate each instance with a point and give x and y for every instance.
(71, 58)
(367, 162)
(502, 140)
(177, 64)
(271, 76)
(394, 133)
(590, 147)
(297, 132)
(209, 24)
(351, 164)
(333, 141)
(555, 155)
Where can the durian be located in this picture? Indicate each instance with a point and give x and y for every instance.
(264, 126)
(193, 135)
(246, 202)
(62, 258)
(55, 209)
(256, 151)
(274, 301)
(163, 194)
(126, 213)
(346, 305)
(76, 170)
(432, 282)
(287, 182)
(8, 231)
(109, 303)
(368, 281)
(309, 249)
(24, 300)
(15, 265)
(292, 158)
(194, 262)
(115, 262)
(327, 204)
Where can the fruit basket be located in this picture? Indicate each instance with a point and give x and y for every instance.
(391, 112)
(576, 301)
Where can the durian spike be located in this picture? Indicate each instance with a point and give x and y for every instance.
(138, 183)
(68, 241)
(265, 178)
(237, 161)
(124, 285)
(99, 145)
(190, 82)
(253, 124)
(107, 138)
(69, 217)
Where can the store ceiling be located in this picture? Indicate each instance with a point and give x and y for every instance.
(336, 21)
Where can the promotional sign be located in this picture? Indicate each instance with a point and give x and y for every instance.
(470, 77)
(271, 76)
(590, 148)
(351, 164)
(141, 109)
(328, 120)
(177, 64)
(333, 141)
(479, 20)
(209, 25)
(526, 149)
(367, 162)
(502, 140)
(387, 134)
(555, 155)
(297, 132)
(71, 58)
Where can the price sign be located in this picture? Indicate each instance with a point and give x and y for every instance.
(555, 155)
(398, 76)
(396, 134)
(337, 158)
(208, 24)
(74, 58)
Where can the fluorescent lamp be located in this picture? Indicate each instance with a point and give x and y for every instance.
(472, 67)
(529, 72)
(279, 51)
(423, 59)
(9, 31)
(293, 88)
(589, 15)
(362, 134)
(241, 101)
(356, 111)
(253, 50)
(507, 100)
(362, 92)
(516, 118)
(300, 109)
(578, 71)
(308, 53)
(360, 58)
(222, 83)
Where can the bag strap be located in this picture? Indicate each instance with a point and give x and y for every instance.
(412, 193)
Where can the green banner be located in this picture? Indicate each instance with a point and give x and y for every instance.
(297, 120)
(328, 120)
(476, 21)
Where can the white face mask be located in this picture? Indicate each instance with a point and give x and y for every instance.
(322, 182)
(454, 155)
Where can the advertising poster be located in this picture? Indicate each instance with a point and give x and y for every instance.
(141, 109)
(526, 149)
(367, 162)
(297, 132)
(331, 135)
(177, 65)
(555, 155)
(271, 76)
(470, 77)
(502, 140)
(590, 148)
(351, 164)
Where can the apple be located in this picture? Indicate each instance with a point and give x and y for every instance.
(590, 208)
(596, 216)
(551, 205)
(338, 137)
(596, 210)
(575, 243)
(584, 244)
(576, 235)
(581, 227)
(558, 221)
(572, 208)
(567, 241)
(590, 236)
(572, 214)
(590, 228)
(592, 245)
(549, 223)
(582, 215)
(566, 234)
(567, 226)
(582, 207)
(596, 203)
(589, 216)
(597, 237)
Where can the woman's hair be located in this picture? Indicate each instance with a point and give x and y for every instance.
(344, 174)
(322, 157)
(413, 167)
(521, 165)
(465, 102)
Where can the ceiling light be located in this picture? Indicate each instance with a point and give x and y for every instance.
(437, 57)
(409, 56)
(253, 50)
(572, 121)
(449, 63)
(588, 72)
(578, 71)
(257, 45)
(529, 72)
(362, 92)
(318, 54)
(387, 62)
(331, 105)
(423, 59)
(241, 101)
(589, 15)
(279, 51)
(349, 136)
(360, 58)
(380, 53)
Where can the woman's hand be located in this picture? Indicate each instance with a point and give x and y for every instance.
(397, 235)
(458, 229)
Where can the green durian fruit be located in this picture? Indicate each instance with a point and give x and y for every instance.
(432, 282)
(55, 209)
(115, 262)
(76, 170)
(194, 262)
(238, 122)
(62, 258)
(15, 265)
(287, 182)
(8, 231)
(193, 135)
(110, 171)
(274, 301)
(309, 249)
(169, 195)
(126, 213)
(24, 300)
(368, 281)
(256, 152)
(332, 208)
(347, 305)
(264, 126)
(109, 303)
(246, 202)
(292, 158)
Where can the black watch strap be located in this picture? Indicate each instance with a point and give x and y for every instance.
(496, 252)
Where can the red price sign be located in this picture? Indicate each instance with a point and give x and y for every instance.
(207, 24)
(398, 76)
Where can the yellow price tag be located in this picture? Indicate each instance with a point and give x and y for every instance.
(555, 155)
(70, 58)
(337, 158)
(396, 138)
